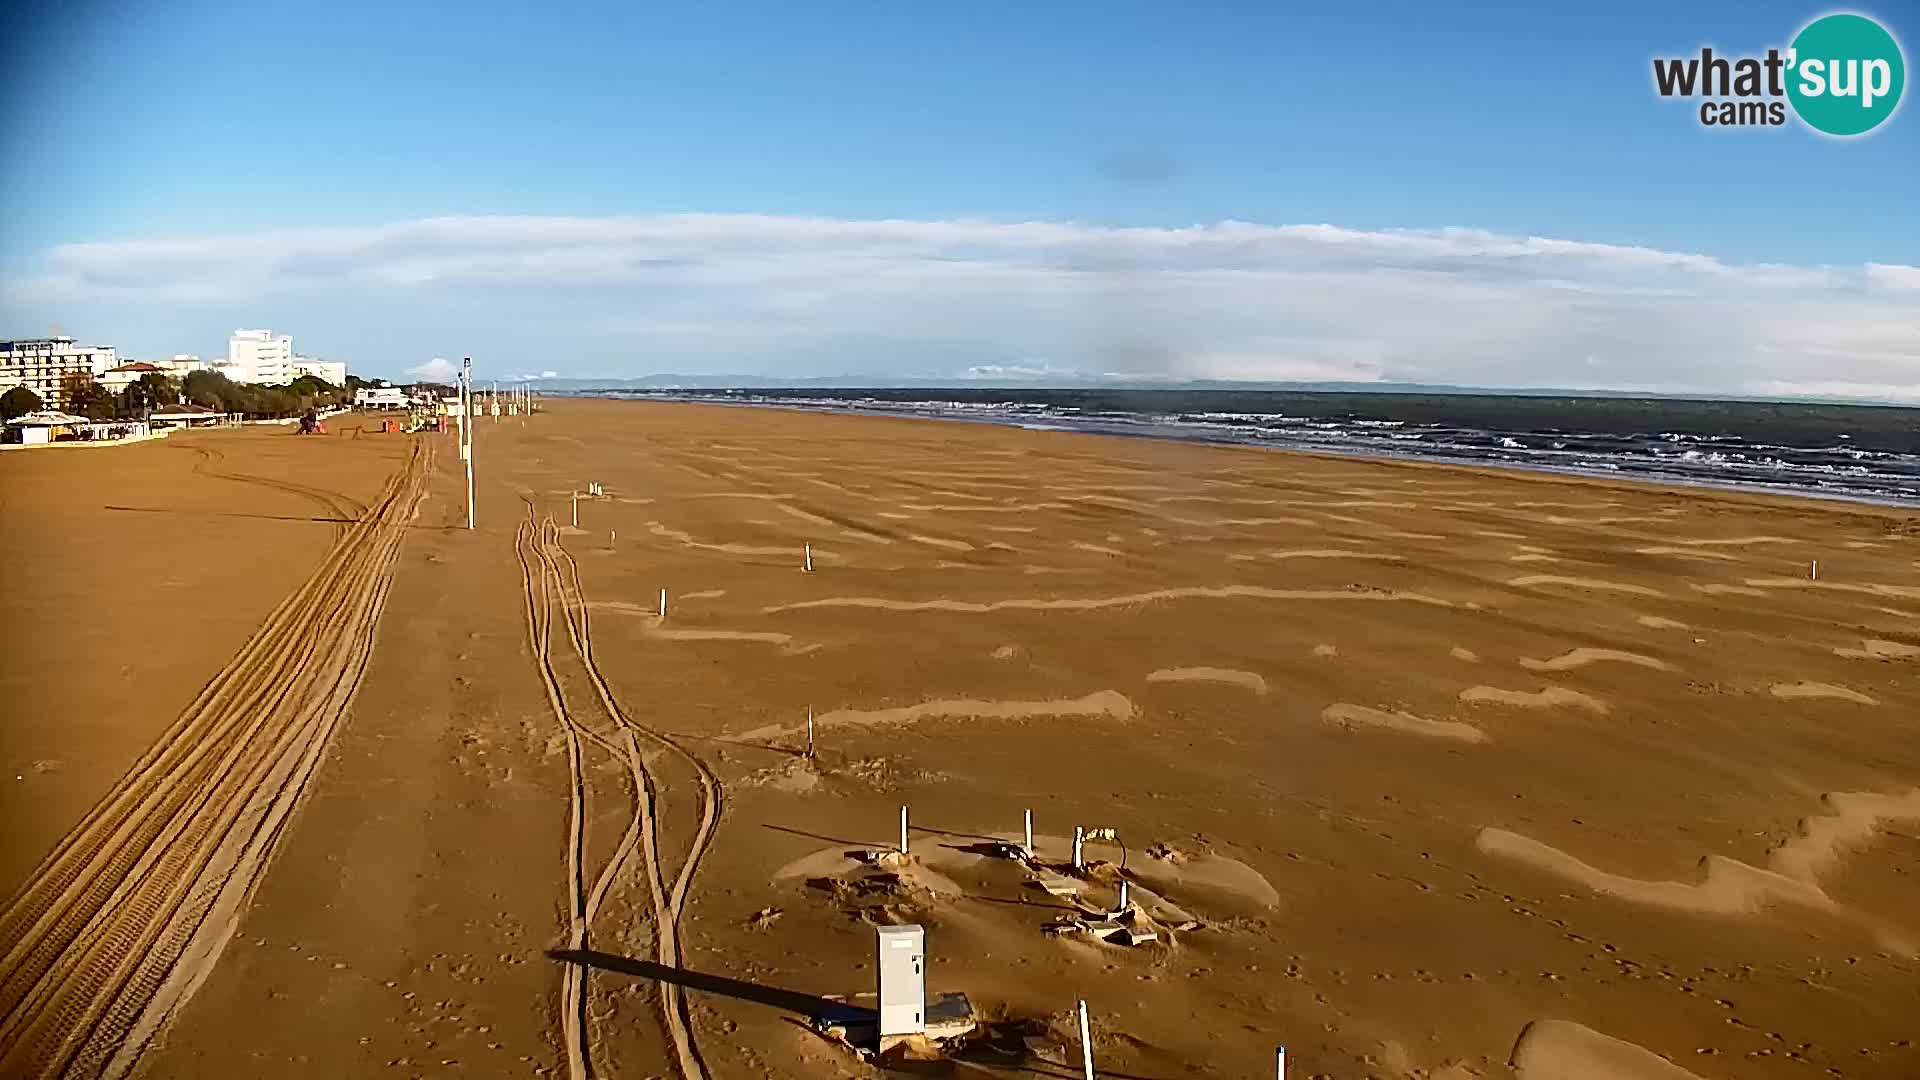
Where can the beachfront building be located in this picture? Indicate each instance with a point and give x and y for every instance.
(331, 372)
(183, 415)
(180, 366)
(260, 356)
(380, 397)
(40, 428)
(119, 378)
(45, 365)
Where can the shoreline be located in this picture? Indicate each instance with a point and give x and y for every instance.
(1678, 485)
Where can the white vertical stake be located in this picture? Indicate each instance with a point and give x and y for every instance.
(1086, 1042)
(466, 429)
(1816, 570)
(663, 603)
(809, 731)
(903, 830)
(1122, 909)
(612, 537)
(1078, 836)
(576, 509)
(1029, 848)
(1280, 1063)
(809, 558)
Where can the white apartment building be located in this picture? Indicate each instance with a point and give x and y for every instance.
(44, 365)
(331, 372)
(119, 378)
(182, 365)
(260, 356)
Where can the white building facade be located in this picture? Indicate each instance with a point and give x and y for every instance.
(380, 397)
(260, 356)
(45, 365)
(331, 372)
(119, 378)
(182, 365)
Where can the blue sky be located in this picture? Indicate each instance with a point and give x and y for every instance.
(391, 183)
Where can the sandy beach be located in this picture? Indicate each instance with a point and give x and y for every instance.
(1418, 770)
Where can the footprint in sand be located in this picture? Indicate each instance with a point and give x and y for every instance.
(1245, 679)
(1358, 716)
(1820, 690)
(1551, 697)
(1579, 658)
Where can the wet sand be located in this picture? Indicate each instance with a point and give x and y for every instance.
(1434, 758)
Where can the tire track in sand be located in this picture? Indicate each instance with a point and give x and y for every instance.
(559, 574)
(123, 920)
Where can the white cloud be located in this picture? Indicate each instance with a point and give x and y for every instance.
(1021, 371)
(435, 370)
(1893, 276)
(776, 295)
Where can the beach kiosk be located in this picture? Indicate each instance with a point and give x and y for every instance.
(40, 428)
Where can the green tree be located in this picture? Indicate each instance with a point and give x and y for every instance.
(147, 393)
(212, 390)
(273, 401)
(87, 398)
(19, 401)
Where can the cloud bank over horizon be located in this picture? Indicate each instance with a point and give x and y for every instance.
(775, 296)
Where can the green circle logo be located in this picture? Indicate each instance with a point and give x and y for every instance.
(1845, 74)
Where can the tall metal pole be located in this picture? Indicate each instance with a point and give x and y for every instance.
(466, 428)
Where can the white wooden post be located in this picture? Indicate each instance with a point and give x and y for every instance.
(576, 509)
(809, 731)
(1816, 570)
(1078, 835)
(1123, 899)
(1086, 1042)
(466, 429)
(663, 603)
(1029, 847)
(809, 558)
(1280, 1063)
(903, 830)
